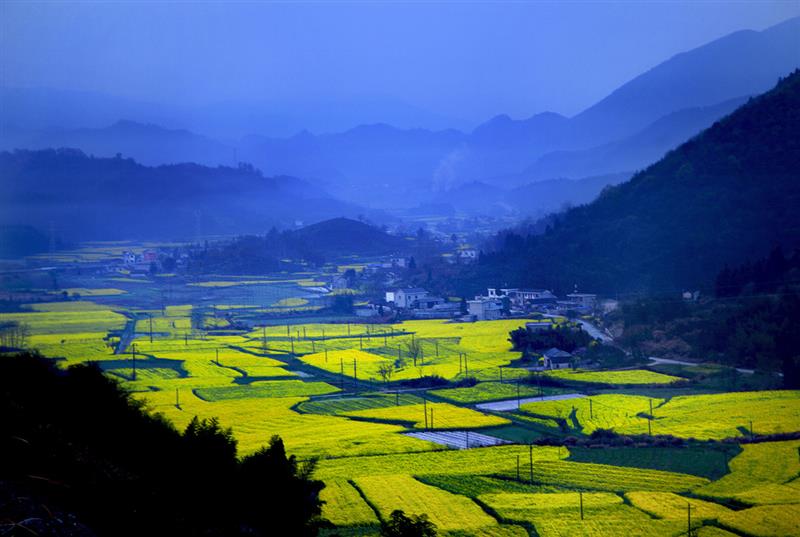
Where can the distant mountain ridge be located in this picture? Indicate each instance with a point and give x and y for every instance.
(724, 197)
(384, 166)
(111, 198)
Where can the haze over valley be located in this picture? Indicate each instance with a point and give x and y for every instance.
(400, 269)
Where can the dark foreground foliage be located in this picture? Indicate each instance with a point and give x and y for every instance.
(79, 456)
(402, 525)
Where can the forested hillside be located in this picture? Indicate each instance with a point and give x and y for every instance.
(80, 195)
(728, 195)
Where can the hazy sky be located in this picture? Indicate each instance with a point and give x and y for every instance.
(468, 60)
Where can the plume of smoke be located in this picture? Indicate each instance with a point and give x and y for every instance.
(445, 176)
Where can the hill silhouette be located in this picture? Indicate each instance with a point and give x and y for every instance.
(110, 198)
(728, 195)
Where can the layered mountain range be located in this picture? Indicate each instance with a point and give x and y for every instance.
(385, 166)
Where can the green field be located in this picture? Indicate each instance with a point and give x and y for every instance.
(286, 379)
(620, 378)
(699, 416)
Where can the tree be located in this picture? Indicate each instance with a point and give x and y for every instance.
(13, 335)
(414, 349)
(386, 371)
(401, 525)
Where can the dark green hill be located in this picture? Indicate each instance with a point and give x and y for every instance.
(728, 195)
(343, 236)
(84, 197)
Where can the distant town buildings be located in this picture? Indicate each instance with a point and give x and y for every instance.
(556, 359)
(485, 309)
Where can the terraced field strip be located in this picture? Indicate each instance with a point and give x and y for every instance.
(431, 415)
(621, 377)
(493, 391)
(344, 506)
(513, 404)
(459, 439)
(764, 520)
(601, 477)
(568, 514)
(763, 473)
(448, 511)
(474, 461)
(672, 506)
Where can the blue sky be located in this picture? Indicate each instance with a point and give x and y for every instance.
(466, 60)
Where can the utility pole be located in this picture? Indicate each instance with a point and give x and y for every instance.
(467, 439)
(651, 407)
(530, 459)
(580, 495)
(437, 348)
(133, 349)
(425, 410)
(287, 331)
(689, 531)
(360, 342)
(313, 347)
(304, 333)
(323, 334)
(177, 398)
(217, 353)
(591, 414)
(326, 356)
(501, 373)
(466, 367)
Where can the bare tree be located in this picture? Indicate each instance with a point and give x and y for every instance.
(13, 335)
(386, 371)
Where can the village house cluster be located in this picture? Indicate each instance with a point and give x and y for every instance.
(495, 304)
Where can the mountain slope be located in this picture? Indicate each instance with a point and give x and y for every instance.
(109, 198)
(633, 152)
(148, 144)
(723, 197)
(741, 63)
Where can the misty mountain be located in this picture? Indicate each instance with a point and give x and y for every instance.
(530, 200)
(37, 109)
(148, 144)
(742, 63)
(728, 195)
(109, 198)
(738, 65)
(394, 167)
(633, 152)
(370, 164)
